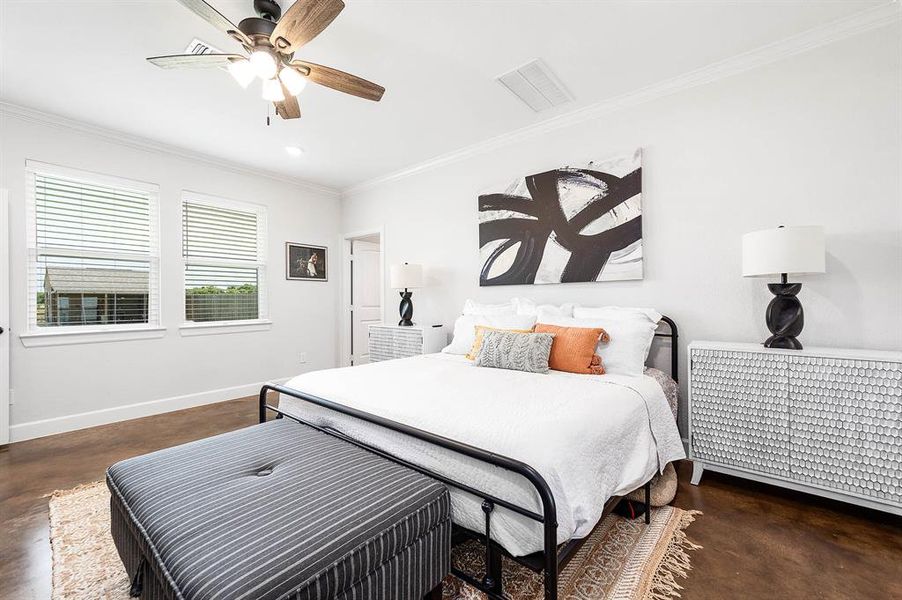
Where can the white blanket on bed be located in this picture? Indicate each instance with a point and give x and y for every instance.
(591, 437)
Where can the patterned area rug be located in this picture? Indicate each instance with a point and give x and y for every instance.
(621, 560)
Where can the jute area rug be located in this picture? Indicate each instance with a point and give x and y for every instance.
(621, 560)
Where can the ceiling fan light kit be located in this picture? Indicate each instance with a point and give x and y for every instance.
(293, 81)
(270, 40)
(264, 64)
(272, 91)
(242, 71)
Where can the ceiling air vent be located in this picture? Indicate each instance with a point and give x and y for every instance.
(200, 47)
(536, 85)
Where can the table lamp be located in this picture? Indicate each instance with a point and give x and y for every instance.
(406, 277)
(783, 250)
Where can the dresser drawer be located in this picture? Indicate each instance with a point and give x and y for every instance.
(739, 412)
(387, 343)
(381, 344)
(846, 425)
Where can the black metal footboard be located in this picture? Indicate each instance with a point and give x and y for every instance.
(491, 583)
(548, 561)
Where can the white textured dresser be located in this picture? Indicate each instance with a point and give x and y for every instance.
(393, 341)
(820, 420)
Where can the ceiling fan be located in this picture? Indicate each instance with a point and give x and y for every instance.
(270, 41)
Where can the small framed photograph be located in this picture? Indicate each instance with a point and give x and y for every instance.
(306, 262)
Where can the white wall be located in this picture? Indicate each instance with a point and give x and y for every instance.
(814, 139)
(64, 387)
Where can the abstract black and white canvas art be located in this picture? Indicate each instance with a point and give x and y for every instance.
(563, 226)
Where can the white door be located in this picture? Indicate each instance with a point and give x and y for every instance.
(366, 296)
(4, 319)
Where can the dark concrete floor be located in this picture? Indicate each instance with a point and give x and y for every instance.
(759, 541)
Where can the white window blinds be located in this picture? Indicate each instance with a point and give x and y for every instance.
(93, 250)
(224, 248)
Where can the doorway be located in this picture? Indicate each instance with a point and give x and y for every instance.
(364, 275)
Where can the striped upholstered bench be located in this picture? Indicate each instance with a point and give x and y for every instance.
(278, 511)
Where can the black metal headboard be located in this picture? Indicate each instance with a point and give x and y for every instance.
(674, 346)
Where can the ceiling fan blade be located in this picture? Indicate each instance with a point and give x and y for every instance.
(289, 107)
(194, 61)
(341, 81)
(302, 22)
(215, 18)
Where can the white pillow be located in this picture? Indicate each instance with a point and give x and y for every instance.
(526, 306)
(475, 308)
(631, 333)
(621, 312)
(549, 311)
(465, 329)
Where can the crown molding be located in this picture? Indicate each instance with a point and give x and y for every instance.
(823, 35)
(133, 141)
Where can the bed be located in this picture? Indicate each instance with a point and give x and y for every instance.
(534, 461)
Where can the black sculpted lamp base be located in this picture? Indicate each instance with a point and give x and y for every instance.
(785, 317)
(406, 309)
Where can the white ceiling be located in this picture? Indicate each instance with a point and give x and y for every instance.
(84, 59)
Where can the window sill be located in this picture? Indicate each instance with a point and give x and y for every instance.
(221, 327)
(36, 339)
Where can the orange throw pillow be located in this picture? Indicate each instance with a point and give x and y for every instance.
(573, 348)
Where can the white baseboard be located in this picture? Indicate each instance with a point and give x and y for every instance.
(36, 429)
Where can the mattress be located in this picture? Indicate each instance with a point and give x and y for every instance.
(590, 436)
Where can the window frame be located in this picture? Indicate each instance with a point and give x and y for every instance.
(262, 322)
(32, 335)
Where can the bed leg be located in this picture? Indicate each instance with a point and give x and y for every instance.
(262, 405)
(495, 570)
(492, 579)
(551, 558)
(648, 502)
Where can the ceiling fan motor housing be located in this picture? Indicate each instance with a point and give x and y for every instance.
(257, 27)
(261, 28)
(268, 9)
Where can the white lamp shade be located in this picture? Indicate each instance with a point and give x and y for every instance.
(264, 64)
(294, 82)
(243, 72)
(272, 91)
(406, 276)
(783, 250)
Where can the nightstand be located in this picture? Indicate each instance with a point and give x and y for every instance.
(394, 341)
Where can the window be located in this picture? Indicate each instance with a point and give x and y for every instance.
(93, 251)
(224, 248)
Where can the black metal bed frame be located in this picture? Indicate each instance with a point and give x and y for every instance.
(551, 559)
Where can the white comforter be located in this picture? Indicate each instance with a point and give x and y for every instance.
(591, 437)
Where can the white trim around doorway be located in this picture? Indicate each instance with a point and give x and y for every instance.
(344, 322)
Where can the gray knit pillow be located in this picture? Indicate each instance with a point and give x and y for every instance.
(516, 351)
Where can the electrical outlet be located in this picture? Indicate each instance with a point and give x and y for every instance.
(303, 357)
